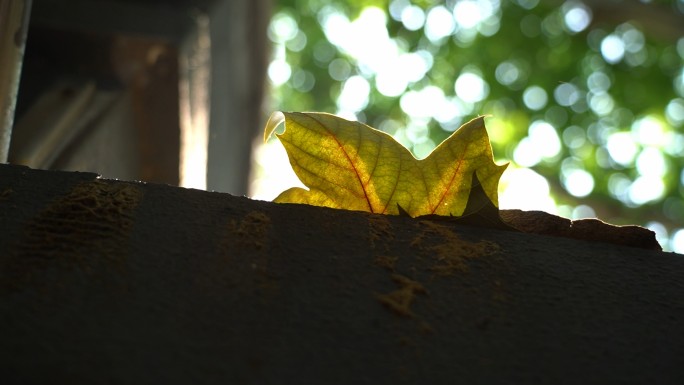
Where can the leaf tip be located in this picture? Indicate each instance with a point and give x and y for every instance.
(273, 122)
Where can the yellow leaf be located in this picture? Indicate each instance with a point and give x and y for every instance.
(352, 166)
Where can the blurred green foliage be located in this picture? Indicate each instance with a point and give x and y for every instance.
(588, 95)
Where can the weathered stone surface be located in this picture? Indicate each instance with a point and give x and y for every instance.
(114, 282)
(540, 222)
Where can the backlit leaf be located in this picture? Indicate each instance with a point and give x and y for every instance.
(352, 166)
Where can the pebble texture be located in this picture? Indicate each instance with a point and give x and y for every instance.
(114, 282)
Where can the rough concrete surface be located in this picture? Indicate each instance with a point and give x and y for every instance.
(127, 283)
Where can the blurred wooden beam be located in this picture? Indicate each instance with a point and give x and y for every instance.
(14, 19)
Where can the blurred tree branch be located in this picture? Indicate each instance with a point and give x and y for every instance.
(657, 18)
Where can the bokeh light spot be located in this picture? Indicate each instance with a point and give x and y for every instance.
(660, 231)
(471, 87)
(601, 103)
(677, 242)
(396, 8)
(598, 82)
(622, 148)
(545, 138)
(282, 28)
(279, 72)
(303, 81)
(527, 4)
(566, 94)
(413, 18)
(618, 186)
(526, 154)
(633, 39)
(339, 69)
(574, 137)
(649, 131)
(583, 211)
(354, 94)
(535, 98)
(651, 162)
(577, 16)
(297, 43)
(578, 182)
(646, 188)
(507, 73)
(424, 103)
(524, 189)
(612, 49)
(439, 24)
(674, 112)
(467, 14)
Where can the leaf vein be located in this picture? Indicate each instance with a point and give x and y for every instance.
(356, 171)
(453, 176)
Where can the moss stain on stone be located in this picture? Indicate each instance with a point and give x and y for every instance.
(400, 300)
(81, 230)
(452, 252)
(380, 231)
(252, 229)
(386, 261)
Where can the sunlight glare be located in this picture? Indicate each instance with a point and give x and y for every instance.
(651, 162)
(622, 148)
(524, 189)
(424, 103)
(471, 87)
(378, 51)
(439, 24)
(526, 154)
(194, 109)
(354, 95)
(646, 188)
(272, 172)
(649, 131)
(660, 232)
(406, 68)
(467, 14)
(677, 241)
(545, 138)
(279, 72)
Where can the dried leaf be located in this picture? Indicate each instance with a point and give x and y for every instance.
(352, 166)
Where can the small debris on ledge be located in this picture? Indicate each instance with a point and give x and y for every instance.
(540, 222)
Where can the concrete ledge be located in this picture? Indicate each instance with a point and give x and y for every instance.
(114, 282)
